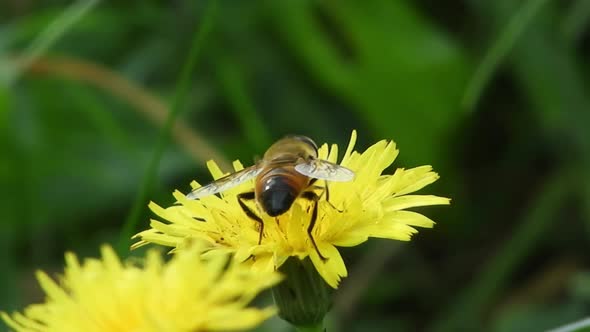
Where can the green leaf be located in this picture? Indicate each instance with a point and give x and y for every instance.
(401, 74)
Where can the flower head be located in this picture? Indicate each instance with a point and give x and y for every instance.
(372, 205)
(189, 293)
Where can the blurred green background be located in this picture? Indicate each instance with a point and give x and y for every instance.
(493, 94)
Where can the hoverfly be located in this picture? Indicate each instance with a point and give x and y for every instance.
(288, 170)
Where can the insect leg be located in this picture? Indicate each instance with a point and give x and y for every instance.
(250, 196)
(328, 197)
(327, 191)
(313, 197)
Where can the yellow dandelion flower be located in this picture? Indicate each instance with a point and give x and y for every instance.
(188, 293)
(371, 205)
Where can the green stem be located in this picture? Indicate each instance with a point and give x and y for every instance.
(316, 328)
(181, 91)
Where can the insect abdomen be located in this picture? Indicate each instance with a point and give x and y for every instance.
(277, 190)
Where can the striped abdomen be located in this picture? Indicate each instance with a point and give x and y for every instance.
(277, 188)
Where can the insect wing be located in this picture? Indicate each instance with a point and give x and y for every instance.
(225, 183)
(325, 170)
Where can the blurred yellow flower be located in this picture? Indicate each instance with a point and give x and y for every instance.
(372, 205)
(189, 293)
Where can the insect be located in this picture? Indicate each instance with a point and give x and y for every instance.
(288, 170)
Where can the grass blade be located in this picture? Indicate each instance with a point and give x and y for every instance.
(56, 29)
(181, 90)
(501, 47)
(576, 326)
(234, 88)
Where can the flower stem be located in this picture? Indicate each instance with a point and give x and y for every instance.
(316, 328)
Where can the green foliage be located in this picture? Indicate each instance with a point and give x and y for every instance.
(87, 137)
(392, 56)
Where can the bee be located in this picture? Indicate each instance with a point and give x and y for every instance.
(288, 170)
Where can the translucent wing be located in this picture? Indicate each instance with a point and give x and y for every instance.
(325, 170)
(225, 182)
